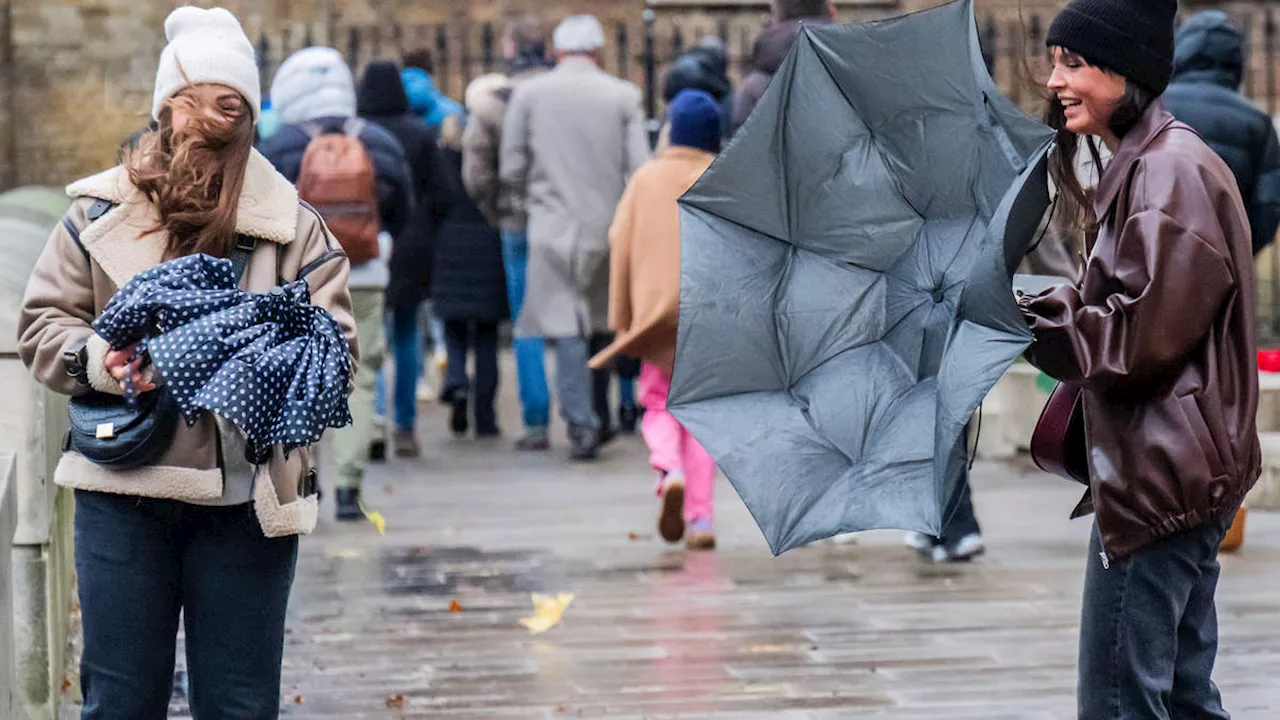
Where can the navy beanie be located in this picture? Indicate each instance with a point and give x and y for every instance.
(695, 121)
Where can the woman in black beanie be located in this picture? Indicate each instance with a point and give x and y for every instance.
(1159, 338)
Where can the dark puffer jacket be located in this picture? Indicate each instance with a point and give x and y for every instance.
(382, 100)
(469, 282)
(1208, 66)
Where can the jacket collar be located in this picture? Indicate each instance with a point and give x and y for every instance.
(575, 63)
(1153, 122)
(681, 152)
(122, 242)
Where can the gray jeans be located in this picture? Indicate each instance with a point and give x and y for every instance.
(1149, 631)
(573, 382)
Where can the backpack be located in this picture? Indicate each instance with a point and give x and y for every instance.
(338, 180)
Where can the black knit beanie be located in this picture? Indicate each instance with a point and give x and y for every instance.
(1131, 37)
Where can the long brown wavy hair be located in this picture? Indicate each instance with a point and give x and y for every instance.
(195, 177)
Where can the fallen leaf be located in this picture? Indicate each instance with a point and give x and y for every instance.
(395, 702)
(66, 683)
(375, 517)
(455, 607)
(547, 612)
(637, 537)
(387, 489)
(297, 699)
(348, 554)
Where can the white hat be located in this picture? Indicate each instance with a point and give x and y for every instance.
(313, 83)
(579, 34)
(206, 46)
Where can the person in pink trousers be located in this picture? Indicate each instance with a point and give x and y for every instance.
(644, 302)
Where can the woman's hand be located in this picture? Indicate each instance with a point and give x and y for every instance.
(122, 363)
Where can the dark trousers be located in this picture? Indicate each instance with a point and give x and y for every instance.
(961, 519)
(140, 563)
(601, 380)
(1149, 631)
(480, 338)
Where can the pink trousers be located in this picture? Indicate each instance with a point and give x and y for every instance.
(673, 449)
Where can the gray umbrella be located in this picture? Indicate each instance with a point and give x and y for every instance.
(845, 298)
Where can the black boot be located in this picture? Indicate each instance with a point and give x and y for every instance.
(584, 443)
(348, 505)
(486, 420)
(628, 418)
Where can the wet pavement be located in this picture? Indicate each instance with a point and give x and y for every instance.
(425, 621)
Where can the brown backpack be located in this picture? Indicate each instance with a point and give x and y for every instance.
(338, 179)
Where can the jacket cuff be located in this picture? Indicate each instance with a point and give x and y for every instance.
(99, 378)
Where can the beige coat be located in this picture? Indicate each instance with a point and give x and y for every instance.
(644, 277)
(65, 293)
(571, 140)
(487, 98)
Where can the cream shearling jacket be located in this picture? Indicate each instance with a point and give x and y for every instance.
(67, 291)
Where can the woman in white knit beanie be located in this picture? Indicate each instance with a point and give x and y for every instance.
(201, 531)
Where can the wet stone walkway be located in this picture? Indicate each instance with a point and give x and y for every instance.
(424, 622)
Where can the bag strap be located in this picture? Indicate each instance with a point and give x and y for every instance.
(240, 257)
(94, 213)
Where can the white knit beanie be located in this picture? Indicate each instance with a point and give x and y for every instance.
(206, 46)
(579, 34)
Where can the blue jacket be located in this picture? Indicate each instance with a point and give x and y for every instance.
(426, 99)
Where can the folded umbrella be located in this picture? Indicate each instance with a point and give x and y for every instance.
(273, 364)
(846, 267)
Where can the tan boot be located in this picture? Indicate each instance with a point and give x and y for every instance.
(671, 519)
(702, 536)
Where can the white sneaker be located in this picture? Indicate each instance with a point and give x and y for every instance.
(919, 542)
(967, 548)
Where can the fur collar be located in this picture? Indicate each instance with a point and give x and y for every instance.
(268, 204)
(122, 245)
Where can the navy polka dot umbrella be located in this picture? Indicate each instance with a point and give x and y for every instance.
(273, 364)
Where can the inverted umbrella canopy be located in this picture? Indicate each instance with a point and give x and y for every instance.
(273, 364)
(845, 299)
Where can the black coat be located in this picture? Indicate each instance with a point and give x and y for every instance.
(470, 283)
(382, 100)
(1208, 67)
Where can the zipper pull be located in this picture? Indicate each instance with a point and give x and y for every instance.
(1106, 564)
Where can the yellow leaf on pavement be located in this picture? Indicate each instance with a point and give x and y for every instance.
(375, 517)
(547, 611)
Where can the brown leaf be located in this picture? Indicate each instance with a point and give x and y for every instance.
(66, 683)
(387, 489)
(297, 699)
(455, 607)
(395, 702)
(637, 537)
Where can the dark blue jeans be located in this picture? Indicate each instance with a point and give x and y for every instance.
(405, 343)
(1149, 631)
(480, 338)
(140, 562)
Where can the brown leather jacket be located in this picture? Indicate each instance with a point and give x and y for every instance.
(1161, 335)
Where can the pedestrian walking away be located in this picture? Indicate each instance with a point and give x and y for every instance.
(524, 48)
(315, 95)
(200, 530)
(382, 100)
(1159, 338)
(470, 296)
(1208, 66)
(565, 159)
(644, 304)
(772, 47)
